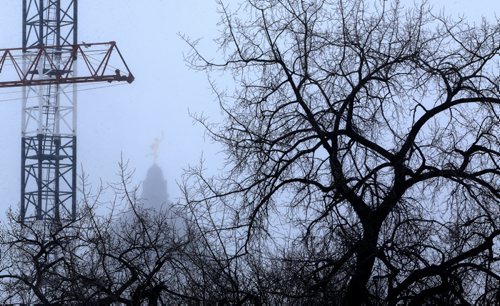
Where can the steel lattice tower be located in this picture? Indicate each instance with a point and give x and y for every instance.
(48, 178)
(47, 69)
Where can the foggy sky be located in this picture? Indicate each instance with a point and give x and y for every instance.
(126, 119)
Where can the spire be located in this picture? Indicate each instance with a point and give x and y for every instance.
(154, 188)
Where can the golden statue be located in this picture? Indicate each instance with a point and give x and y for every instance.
(155, 146)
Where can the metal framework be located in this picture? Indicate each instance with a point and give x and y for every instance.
(48, 67)
(48, 161)
(50, 23)
(98, 65)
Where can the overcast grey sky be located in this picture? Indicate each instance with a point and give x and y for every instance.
(126, 119)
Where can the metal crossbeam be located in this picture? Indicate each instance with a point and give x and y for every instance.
(100, 62)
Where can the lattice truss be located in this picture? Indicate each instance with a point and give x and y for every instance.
(48, 67)
(49, 22)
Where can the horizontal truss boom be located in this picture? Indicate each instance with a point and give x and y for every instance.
(58, 63)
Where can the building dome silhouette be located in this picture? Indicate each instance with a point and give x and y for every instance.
(155, 198)
(154, 188)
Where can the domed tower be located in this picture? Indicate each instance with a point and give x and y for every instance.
(155, 195)
(154, 188)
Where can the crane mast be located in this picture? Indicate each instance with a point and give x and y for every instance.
(48, 67)
(48, 144)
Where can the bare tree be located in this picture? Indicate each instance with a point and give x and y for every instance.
(361, 139)
(212, 274)
(40, 261)
(128, 255)
(133, 250)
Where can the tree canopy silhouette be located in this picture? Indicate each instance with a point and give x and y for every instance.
(362, 144)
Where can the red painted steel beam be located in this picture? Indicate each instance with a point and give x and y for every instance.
(56, 64)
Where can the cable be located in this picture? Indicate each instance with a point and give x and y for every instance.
(100, 61)
(72, 91)
(21, 91)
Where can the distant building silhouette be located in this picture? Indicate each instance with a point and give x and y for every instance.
(154, 188)
(154, 192)
(155, 198)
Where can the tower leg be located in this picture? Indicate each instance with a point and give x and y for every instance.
(48, 161)
(48, 178)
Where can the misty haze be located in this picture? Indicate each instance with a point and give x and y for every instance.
(250, 152)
